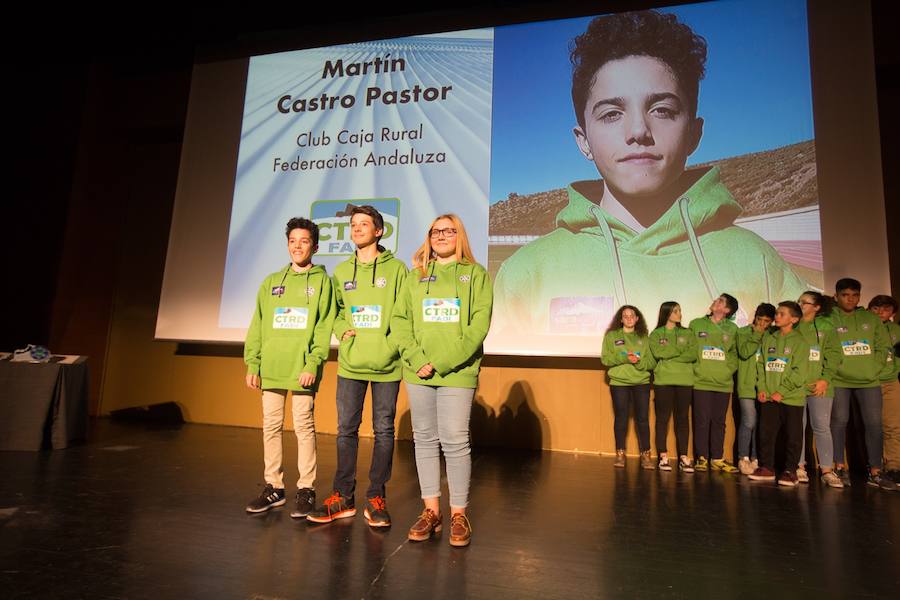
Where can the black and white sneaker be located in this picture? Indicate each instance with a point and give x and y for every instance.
(305, 501)
(268, 499)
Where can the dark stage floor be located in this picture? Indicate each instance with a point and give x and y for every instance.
(144, 512)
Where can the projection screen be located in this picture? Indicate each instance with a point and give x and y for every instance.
(650, 179)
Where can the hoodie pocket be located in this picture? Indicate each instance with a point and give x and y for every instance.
(282, 358)
(364, 352)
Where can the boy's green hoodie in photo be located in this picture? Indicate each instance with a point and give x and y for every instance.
(675, 351)
(616, 346)
(693, 252)
(863, 340)
(748, 353)
(784, 367)
(442, 318)
(892, 365)
(824, 351)
(290, 331)
(716, 354)
(365, 294)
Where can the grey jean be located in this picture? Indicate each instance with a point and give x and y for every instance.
(440, 420)
(819, 409)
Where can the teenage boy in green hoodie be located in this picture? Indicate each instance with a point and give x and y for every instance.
(782, 373)
(366, 286)
(287, 343)
(885, 307)
(713, 382)
(748, 344)
(864, 350)
(649, 230)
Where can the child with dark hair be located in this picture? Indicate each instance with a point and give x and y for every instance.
(675, 349)
(634, 236)
(748, 339)
(864, 346)
(287, 343)
(824, 355)
(713, 382)
(626, 353)
(782, 373)
(886, 309)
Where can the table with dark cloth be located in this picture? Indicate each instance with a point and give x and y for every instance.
(42, 405)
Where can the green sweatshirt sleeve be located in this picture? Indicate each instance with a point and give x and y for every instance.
(610, 356)
(647, 361)
(402, 329)
(731, 358)
(341, 325)
(689, 352)
(748, 343)
(475, 330)
(882, 344)
(666, 351)
(831, 355)
(797, 374)
(253, 342)
(321, 341)
(761, 385)
(399, 289)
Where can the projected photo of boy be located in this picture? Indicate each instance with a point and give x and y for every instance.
(649, 229)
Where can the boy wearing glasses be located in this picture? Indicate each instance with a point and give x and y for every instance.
(366, 287)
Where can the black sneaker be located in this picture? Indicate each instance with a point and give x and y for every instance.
(376, 513)
(334, 507)
(893, 476)
(268, 499)
(306, 499)
(844, 475)
(878, 480)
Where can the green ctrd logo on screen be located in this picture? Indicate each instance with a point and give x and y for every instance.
(333, 219)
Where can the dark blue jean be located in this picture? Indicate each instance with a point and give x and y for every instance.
(637, 396)
(351, 394)
(870, 406)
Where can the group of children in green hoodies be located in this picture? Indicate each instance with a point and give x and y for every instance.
(425, 327)
(795, 359)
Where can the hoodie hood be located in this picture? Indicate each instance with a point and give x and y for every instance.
(705, 206)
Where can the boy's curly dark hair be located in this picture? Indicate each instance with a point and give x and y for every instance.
(301, 223)
(644, 33)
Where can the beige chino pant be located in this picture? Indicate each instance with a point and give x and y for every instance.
(304, 428)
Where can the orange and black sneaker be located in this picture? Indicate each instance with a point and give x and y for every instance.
(376, 513)
(334, 507)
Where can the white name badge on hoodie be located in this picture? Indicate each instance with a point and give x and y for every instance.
(776, 364)
(290, 317)
(814, 354)
(440, 310)
(856, 348)
(366, 316)
(713, 353)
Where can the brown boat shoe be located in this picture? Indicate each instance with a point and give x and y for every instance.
(460, 530)
(427, 524)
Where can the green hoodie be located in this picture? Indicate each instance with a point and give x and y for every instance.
(365, 294)
(693, 253)
(783, 367)
(675, 351)
(290, 331)
(716, 354)
(616, 346)
(442, 318)
(748, 352)
(892, 368)
(824, 351)
(863, 340)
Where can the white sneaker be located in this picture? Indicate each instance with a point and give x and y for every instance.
(754, 463)
(802, 475)
(664, 462)
(745, 466)
(832, 480)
